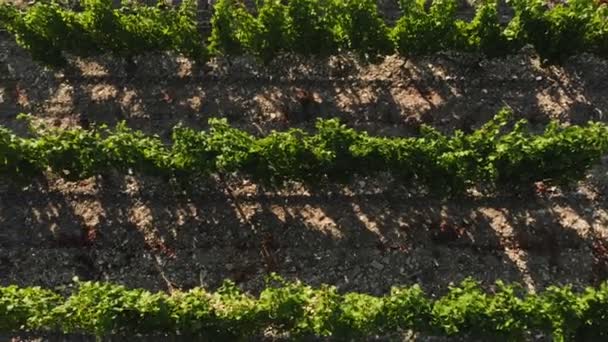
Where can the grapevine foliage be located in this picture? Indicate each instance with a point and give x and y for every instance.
(500, 154)
(509, 313)
(47, 29)
(557, 29)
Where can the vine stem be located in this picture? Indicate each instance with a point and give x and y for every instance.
(265, 248)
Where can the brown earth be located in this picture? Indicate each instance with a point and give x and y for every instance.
(147, 232)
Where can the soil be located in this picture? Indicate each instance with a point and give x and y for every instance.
(366, 236)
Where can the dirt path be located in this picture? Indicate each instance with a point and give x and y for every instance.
(448, 91)
(143, 232)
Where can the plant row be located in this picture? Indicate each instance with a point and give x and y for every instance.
(47, 29)
(509, 313)
(557, 29)
(503, 153)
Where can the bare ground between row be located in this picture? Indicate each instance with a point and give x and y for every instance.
(392, 97)
(143, 232)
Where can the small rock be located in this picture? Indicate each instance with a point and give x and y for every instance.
(413, 121)
(539, 78)
(202, 275)
(377, 265)
(355, 271)
(426, 117)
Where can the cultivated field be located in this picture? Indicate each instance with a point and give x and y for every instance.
(146, 221)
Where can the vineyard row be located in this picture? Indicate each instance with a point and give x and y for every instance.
(502, 154)
(557, 29)
(509, 313)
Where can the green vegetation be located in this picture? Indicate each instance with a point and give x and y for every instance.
(47, 29)
(507, 314)
(500, 154)
(308, 27)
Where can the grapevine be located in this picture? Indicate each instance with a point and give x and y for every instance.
(493, 157)
(509, 313)
(319, 27)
